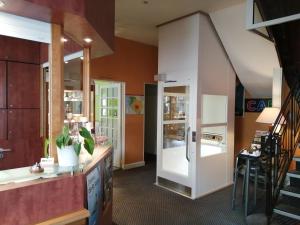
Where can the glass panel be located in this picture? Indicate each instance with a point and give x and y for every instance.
(213, 140)
(175, 113)
(175, 104)
(174, 135)
(214, 109)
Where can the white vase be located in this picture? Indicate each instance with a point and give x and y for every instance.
(67, 156)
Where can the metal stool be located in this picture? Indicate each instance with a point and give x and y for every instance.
(245, 188)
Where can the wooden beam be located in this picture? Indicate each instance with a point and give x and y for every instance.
(74, 218)
(86, 82)
(56, 87)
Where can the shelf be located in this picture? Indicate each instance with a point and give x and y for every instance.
(74, 100)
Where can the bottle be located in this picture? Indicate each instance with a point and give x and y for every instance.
(69, 113)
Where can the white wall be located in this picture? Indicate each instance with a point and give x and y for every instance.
(190, 52)
(178, 59)
(178, 49)
(252, 56)
(216, 77)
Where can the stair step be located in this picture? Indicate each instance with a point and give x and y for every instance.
(297, 158)
(287, 210)
(294, 174)
(291, 191)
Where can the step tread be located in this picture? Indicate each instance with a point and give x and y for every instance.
(288, 209)
(292, 189)
(294, 172)
(297, 158)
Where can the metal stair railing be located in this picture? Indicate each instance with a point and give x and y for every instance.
(280, 146)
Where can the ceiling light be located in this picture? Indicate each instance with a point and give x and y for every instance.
(66, 62)
(81, 57)
(64, 39)
(2, 4)
(88, 40)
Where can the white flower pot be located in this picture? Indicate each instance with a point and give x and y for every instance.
(67, 156)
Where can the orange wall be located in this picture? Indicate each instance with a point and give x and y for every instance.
(135, 64)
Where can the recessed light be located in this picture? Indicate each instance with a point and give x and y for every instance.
(2, 4)
(88, 40)
(81, 58)
(64, 39)
(66, 62)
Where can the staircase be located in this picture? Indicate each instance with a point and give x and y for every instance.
(283, 184)
(289, 202)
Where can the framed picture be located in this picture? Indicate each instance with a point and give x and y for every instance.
(135, 104)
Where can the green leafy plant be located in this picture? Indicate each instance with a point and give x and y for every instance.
(64, 140)
(46, 148)
(89, 143)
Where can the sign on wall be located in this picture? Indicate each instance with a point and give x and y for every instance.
(94, 196)
(257, 104)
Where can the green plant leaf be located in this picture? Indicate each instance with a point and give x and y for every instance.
(64, 139)
(77, 148)
(46, 148)
(60, 141)
(89, 145)
(85, 133)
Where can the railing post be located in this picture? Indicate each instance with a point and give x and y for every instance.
(268, 150)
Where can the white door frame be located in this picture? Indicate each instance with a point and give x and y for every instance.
(181, 179)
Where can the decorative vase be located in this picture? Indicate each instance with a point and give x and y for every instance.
(67, 156)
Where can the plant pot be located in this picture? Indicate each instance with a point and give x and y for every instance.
(67, 156)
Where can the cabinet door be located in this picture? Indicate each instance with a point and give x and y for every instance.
(23, 85)
(23, 153)
(19, 50)
(3, 124)
(2, 84)
(23, 124)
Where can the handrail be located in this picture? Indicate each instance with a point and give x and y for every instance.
(281, 145)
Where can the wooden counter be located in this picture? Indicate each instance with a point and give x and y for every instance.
(38, 201)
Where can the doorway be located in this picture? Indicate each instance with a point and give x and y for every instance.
(109, 111)
(150, 123)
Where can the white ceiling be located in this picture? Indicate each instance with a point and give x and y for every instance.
(137, 21)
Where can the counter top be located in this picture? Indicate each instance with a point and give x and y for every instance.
(21, 177)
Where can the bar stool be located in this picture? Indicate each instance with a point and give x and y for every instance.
(250, 160)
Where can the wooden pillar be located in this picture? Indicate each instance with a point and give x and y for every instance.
(86, 82)
(56, 87)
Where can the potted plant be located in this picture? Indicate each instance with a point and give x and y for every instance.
(68, 148)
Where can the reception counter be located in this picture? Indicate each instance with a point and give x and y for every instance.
(58, 194)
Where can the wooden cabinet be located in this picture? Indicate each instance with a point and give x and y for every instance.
(23, 153)
(3, 124)
(23, 85)
(20, 50)
(2, 84)
(23, 124)
(19, 102)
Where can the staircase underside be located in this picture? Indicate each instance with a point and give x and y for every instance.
(286, 35)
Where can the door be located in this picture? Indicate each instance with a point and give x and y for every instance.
(3, 124)
(23, 124)
(23, 85)
(2, 84)
(108, 116)
(173, 153)
(150, 120)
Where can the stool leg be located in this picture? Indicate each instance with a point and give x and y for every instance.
(234, 183)
(244, 185)
(247, 175)
(255, 184)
